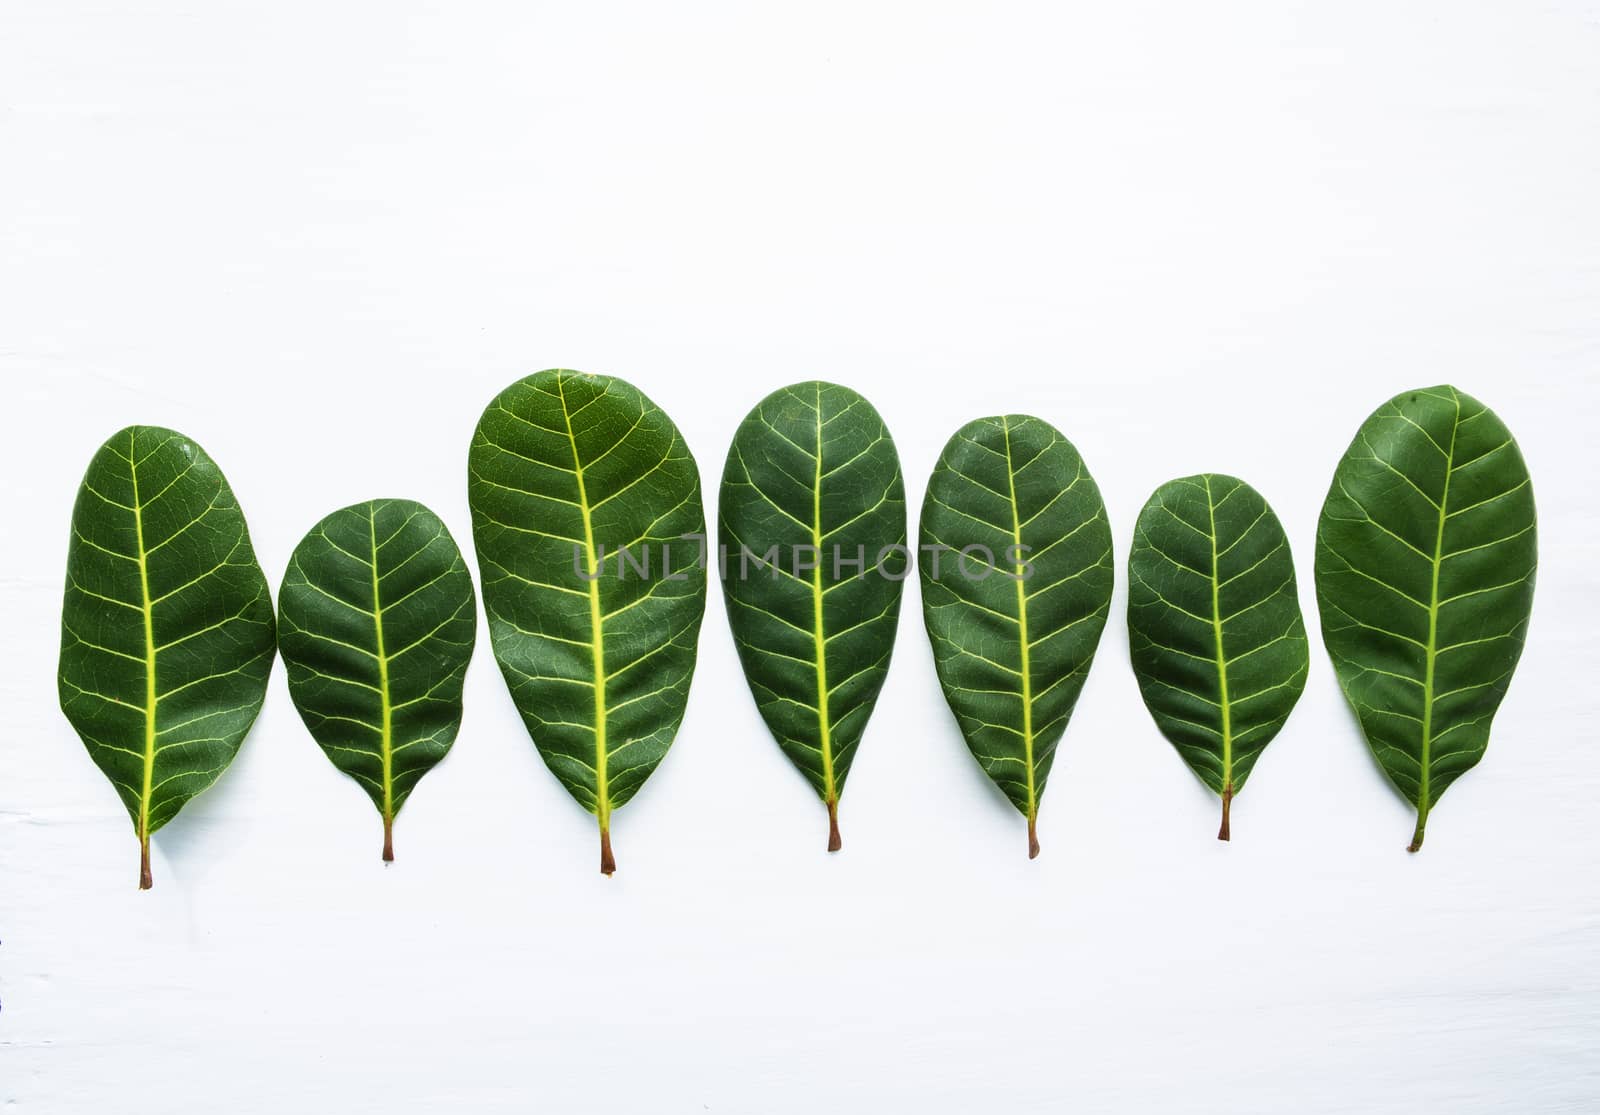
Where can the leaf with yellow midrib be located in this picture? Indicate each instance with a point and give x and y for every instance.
(1426, 553)
(1214, 626)
(376, 623)
(812, 518)
(166, 626)
(1015, 557)
(598, 649)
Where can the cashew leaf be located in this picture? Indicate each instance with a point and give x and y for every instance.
(1214, 626)
(1015, 553)
(812, 528)
(166, 627)
(590, 536)
(1426, 552)
(376, 621)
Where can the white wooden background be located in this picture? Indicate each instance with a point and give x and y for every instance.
(318, 237)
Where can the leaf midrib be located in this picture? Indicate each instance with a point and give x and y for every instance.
(386, 706)
(146, 605)
(1022, 625)
(596, 622)
(1222, 660)
(825, 733)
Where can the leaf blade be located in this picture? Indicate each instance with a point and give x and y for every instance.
(377, 621)
(1015, 615)
(812, 476)
(562, 466)
(1426, 556)
(1209, 551)
(167, 624)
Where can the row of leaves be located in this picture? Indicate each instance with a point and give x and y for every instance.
(1424, 567)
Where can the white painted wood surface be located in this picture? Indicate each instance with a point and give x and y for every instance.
(319, 237)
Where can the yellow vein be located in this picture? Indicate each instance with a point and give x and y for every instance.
(829, 795)
(1432, 648)
(1222, 665)
(386, 730)
(596, 620)
(1022, 630)
(149, 666)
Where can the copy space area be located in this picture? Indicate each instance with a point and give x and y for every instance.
(318, 238)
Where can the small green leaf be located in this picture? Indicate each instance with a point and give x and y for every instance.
(167, 626)
(1214, 625)
(376, 621)
(1016, 586)
(1426, 552)
(812, 522)
(597, 646)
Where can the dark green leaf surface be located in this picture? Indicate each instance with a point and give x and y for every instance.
(1014, 625)
(1426, 552)
(812, 477)
(167, 626)
(565, 468)
(376, 621)
(1214, 625)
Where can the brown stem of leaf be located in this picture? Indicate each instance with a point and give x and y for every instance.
(145, 881)
(388, 840)
(1227, 801)
(834, 843)
(608, 862)
(1416, 837)
(1033, 838)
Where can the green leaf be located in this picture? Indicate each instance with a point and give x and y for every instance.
(1016, 586)
(166, 628)
(597, 647)
(1426, 552)
(812, 523)
(376, 621)
(1214, 625)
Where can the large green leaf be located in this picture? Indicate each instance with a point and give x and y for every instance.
(597, 646)
(167, 627)
(376, 621)
(1214, 625)
(1426, 552)
(1015, 553)
(812, 523)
